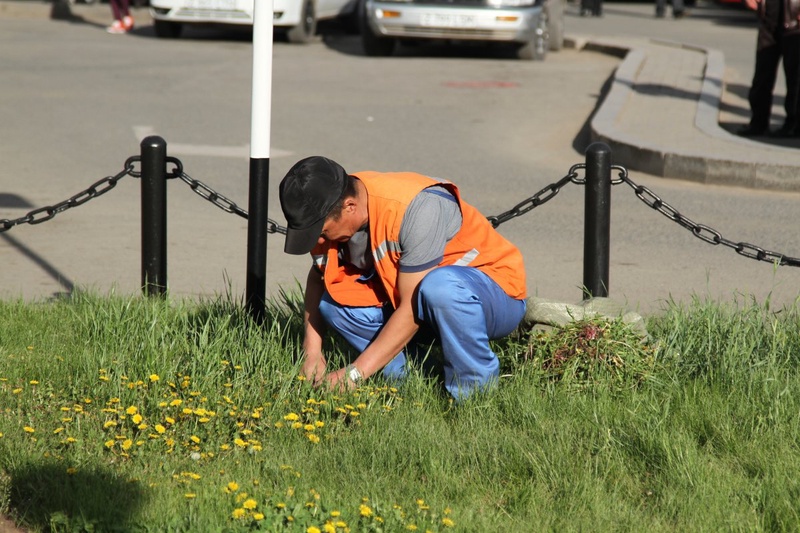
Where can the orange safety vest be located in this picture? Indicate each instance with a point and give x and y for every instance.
(477, 244)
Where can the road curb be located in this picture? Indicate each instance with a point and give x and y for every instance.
(745, 169)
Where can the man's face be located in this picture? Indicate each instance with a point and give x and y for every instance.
(340, 229)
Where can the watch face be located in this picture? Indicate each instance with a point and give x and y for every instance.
(354, 375)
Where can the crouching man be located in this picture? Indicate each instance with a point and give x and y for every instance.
(393, 252)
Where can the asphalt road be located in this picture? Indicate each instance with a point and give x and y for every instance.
(76, 101)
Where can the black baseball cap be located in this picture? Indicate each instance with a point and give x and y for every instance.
(308, 192)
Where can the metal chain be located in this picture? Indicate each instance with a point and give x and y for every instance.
(43, 214)
(221, 201)
(545, 195)
(701, 231)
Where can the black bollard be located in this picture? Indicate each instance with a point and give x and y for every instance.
(256, 288)
(154, 216)
(597, 221)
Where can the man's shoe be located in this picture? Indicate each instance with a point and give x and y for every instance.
(751, 131)
(127, 22)
(786, 131)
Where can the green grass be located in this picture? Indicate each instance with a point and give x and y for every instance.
(132, 414)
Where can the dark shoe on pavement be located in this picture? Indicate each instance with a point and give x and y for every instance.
(751, 131)
(786, 131)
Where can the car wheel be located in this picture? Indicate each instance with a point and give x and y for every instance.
(555, 17)
(536, 47)
(374, 45)
(305, 31)
(167, 29)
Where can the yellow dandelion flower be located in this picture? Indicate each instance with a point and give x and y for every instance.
(447, 522)
(239, 442)
(57, 431)
(70, 440)
(170, 420)
(329, 528)
(280, 505)
(238, 513)
(160, 429)
(278, 425)
(258, 516)
(109, 424)
(33, 382)
(365, 510)
(176, 402)
(291, 417)
(72, 471)
(297, 425)
(203, 420)
(319, 423)
(340, 524)
(132, 410)
(28, 429)
(313, 437)
(195, 439)
(336, 513)
(126, 444)
(190, 495)
(109, 443)
(225, 447)
(232, 487)
(16, 391)
(137, 418)
(313, 529)
(411, 527)
(447, 510)
(309, 427)
(250, 504)
(154, 378)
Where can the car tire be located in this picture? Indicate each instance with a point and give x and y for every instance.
(555, 18)
(536, 47)
(373, 45)
(305, 31)
(167, 29)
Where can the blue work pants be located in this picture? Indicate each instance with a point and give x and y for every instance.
(462, 306)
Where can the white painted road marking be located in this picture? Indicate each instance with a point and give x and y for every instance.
(175, 149)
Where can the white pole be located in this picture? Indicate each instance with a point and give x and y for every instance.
(262, 79)
(259, 159)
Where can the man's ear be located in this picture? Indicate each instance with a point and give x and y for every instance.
(350, 204)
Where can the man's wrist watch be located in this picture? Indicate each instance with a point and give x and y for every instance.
(353, 374)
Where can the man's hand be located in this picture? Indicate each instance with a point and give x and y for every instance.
(314, 368)
(338, 381)
(751, 4)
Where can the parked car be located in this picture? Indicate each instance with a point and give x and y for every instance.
(534, 26)
(298, 18)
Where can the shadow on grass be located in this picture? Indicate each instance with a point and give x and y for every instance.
(46, 497)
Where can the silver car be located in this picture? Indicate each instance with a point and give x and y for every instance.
(534, 26)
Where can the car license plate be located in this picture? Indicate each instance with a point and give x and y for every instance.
(446, 20)
(222, 5)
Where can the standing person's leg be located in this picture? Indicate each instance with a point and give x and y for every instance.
(677, 8)
(116, 9)
(790, 46)
(359, 326)
(661, 7)
(466, 308)
(768, 55)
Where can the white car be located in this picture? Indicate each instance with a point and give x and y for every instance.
(534, 26)
(297, 17)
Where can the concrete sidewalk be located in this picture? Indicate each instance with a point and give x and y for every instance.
(663, 109)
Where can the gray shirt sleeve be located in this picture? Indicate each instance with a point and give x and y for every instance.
(431, 220)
